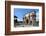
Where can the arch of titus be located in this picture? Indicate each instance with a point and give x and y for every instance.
(29, 18)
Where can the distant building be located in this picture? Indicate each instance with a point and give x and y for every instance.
(30, 18)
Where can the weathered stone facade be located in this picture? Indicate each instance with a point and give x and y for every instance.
(29, 18)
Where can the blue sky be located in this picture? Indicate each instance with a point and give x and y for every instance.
(20, 12)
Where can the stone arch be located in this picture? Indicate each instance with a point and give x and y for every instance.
(28, 20)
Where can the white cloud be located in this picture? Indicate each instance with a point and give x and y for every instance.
(19, 19)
